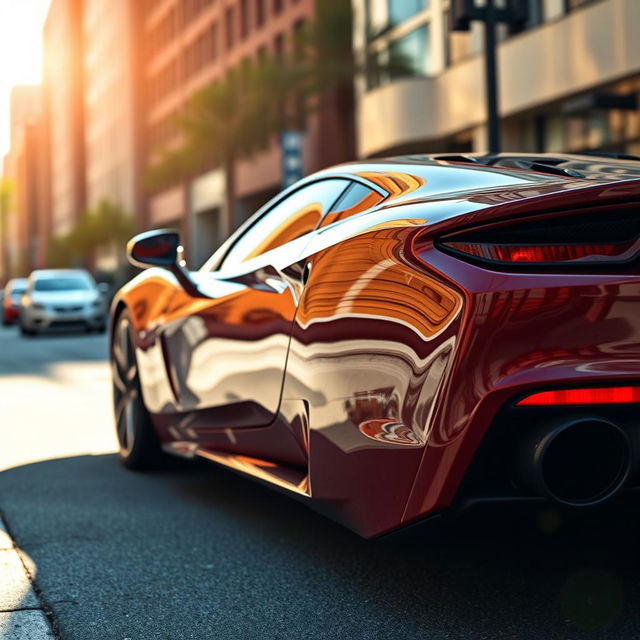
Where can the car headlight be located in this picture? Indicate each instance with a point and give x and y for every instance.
(96, 304)
(38, 307)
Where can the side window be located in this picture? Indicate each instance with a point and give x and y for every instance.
(291, 218)
(355, 199)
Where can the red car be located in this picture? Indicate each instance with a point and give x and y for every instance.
(393, 339)
(11, 301)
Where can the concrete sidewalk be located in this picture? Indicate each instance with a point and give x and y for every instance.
(21, 613)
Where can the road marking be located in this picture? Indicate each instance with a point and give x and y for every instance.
(21, 614)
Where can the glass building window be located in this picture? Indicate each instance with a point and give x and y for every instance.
(260, 12)
(408, 55)
(229, 27)
(383, 14)
(244, 18)
(401, 10)
(404, 57)
(535, 17)
(213, 42)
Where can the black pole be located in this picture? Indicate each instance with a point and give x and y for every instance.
(491, 85)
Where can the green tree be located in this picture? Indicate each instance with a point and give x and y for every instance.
(106, 224)
(59, 253)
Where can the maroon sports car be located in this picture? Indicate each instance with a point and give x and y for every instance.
(393, 339)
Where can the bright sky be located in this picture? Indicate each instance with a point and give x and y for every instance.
(21, 23)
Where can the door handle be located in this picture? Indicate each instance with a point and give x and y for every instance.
(306, 272)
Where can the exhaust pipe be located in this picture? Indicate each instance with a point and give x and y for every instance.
(578, 463)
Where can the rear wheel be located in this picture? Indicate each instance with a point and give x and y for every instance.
(139, 445)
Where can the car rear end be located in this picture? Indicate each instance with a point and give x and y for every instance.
(11, 300)
(543, 399)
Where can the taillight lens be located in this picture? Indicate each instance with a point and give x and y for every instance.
(601, 235)
(598, 395)
(545, 253)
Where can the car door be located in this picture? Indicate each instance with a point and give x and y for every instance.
(226, 351)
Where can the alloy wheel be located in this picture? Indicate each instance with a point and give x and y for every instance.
(126, 393)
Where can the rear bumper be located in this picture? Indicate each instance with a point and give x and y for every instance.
(521, 333)
(9, 314)
(37, 320)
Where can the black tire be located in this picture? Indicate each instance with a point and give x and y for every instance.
(139, 446)
(28, 333)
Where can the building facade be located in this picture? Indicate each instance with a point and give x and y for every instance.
(23, 169)
(113, 141)
(111, 103)
(569, 78)
(64, 111)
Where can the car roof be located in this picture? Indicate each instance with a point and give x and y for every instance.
(52, 274)
(428, 176)
(497, 170)
(17, 282)
(59, 273)
(586, 166)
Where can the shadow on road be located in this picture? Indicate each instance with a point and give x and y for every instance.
(202, 552)
(38, 355)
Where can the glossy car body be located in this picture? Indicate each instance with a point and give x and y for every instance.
(64, 298)
(373, 371)
(11, 300)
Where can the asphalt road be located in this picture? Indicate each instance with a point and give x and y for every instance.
(202, 553)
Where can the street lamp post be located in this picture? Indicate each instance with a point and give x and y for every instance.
(491, 77)
(463, 12)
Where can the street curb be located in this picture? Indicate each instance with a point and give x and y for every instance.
(23, 615)
(5, 539)
(29, 624)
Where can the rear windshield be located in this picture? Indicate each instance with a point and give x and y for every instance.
(61, 284)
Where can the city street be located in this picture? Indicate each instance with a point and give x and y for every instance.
(202, 553)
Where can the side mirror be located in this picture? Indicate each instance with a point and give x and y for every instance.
(162, 248)
(154, 249)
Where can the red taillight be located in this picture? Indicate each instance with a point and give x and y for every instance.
(600, 395)
(543, 253)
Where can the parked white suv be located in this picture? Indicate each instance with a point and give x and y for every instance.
(61, 298)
